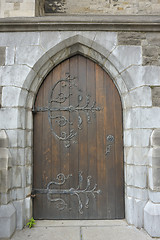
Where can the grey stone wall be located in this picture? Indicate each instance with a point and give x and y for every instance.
(7, 209)
(29, 56)
(102, 6)
(152, 208)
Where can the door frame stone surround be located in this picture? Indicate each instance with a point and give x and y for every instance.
(141, 201)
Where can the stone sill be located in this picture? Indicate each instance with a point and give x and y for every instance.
(138, 23)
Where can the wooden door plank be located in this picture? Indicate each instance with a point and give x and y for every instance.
(64, 147)
(101, 168)
(110, 156)
(73, 167)
(92, 141)
(119, 206)
(83, 133)
(52, 210)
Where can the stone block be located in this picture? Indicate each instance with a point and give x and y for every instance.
(41, 70)
(10, 55)
(149, 75)
(156, 102)
(156, 92)
(155, 160)
(100, 58)
(139, 212)
(20, 193)
(20, 213)
(17, 176)
(28, 156)
(155, 138)
(106, 39)
(150, 51)
(5, 198)
(29, 80)
(20, 39)
(50, 39)
(121, 86)
(152, 219)
(18, 156)
(138, 156)
(29, 118)
(153, 38)
(129, 209)
(154, 180)
(2, 55)
(15, 75)
(10, 96)
(142, 118)
(28, 190)
(138, 193)
(154, 196)
(115, 74)
(29, 138)
(9, 118)
(139, 97)
(5, 158)
(137, 137)
(30, 100)
(14, 194)
(0, 95)
(5, 170)
(126, 56)
(137, 176)
(28, 208)
(130, 38)
(7, 220)
(141, 75)
(3, 139)
(127, 138)
(4, 181)
(29, 55)
(28, 172)
(16, 138)
(60, 56)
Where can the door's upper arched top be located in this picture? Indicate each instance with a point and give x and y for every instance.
(78, 134)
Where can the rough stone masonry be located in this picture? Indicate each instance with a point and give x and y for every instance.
(28, 8)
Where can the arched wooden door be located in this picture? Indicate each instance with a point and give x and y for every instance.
(78, 148)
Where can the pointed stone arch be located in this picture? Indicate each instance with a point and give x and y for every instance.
(71, 46)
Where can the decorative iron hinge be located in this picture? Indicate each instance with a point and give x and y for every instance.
(60, 180)
(59, 97)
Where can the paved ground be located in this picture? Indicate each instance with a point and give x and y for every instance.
(81, 230)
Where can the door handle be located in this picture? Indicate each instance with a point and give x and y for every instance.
(110, 141)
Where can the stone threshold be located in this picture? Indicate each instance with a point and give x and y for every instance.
(80, 223)
(142, 23)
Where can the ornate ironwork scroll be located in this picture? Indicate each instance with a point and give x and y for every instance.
(78, 192)
(110, 141)
(59, 104)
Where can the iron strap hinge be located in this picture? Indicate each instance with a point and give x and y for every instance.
(52, 191)
(60, 180)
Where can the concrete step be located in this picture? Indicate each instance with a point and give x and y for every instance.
(81, 230)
